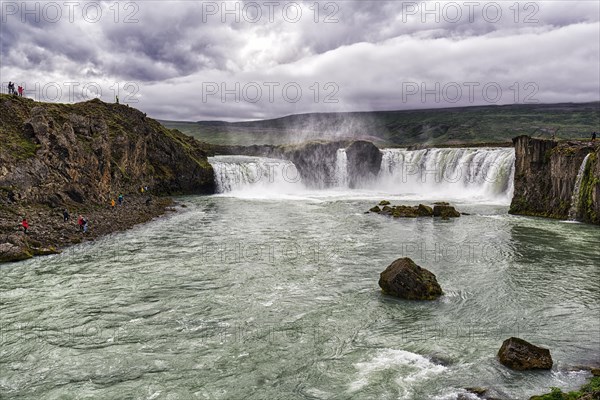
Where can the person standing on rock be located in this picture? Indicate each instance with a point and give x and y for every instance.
(65, 215)
(112, 203)
(11, 88)
(20, 91)
(85, 225)
(25, 225)
(120, 199)
(80, 222)
(594, 136)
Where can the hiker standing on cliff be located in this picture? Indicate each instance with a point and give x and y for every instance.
(80, 222)
(594, 136)
(20, 91)
(120, 199)
(85, 225)
(11, 88)
(65, 215)
(25, 225)
(112, 203)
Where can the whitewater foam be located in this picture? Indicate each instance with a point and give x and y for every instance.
(482, 175)
(408, 368)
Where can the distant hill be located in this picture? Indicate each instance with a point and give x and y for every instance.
(446, 126)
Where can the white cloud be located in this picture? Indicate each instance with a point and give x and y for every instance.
(177, 51)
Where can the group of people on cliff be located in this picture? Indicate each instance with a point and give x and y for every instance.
(12, 90)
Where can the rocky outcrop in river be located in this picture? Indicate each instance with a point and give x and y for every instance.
(546, 175)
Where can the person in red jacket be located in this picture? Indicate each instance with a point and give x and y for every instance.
(25, 225)
(80, 223)
(20, 91)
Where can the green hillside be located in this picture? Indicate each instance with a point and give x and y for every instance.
(449, 126)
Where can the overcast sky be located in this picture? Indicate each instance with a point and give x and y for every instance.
(263, 59)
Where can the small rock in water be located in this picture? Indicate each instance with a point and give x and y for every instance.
(387, 210)
(406, 280)
(445, 211)
(521, 355)
(375, 209)
(384, 203)
(479, 391)
(424, 211)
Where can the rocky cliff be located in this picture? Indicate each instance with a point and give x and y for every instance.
(546, 174)
(79, 157)
(58, 153)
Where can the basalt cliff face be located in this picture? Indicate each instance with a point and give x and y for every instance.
(88, 152)
(546, 175)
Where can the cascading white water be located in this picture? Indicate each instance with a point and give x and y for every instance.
(574, 210)
(466, 173)
(456, 173)
(341, 168)
(461, 172)
(243, 173)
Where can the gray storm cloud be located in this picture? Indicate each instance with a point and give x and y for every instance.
(249, 60)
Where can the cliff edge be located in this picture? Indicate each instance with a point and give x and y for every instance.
(546, 173)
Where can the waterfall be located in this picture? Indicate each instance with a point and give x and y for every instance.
(472, 174)
(243, 173)
(574, 210)
(341, 168)
(485, 173)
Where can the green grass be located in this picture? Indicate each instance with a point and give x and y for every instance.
(556, 394)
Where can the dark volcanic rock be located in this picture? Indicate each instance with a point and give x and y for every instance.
(424, 211)
(521, 355)
(545, 176)
(364, 161)
(445, 211)
(405, 279)
(405, 212)
(12, 252)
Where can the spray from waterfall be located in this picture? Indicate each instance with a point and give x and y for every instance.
(255, 174)
(574, 210)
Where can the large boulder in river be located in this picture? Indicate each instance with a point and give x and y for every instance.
(364, 161)
(521, 355)
(405, 279)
